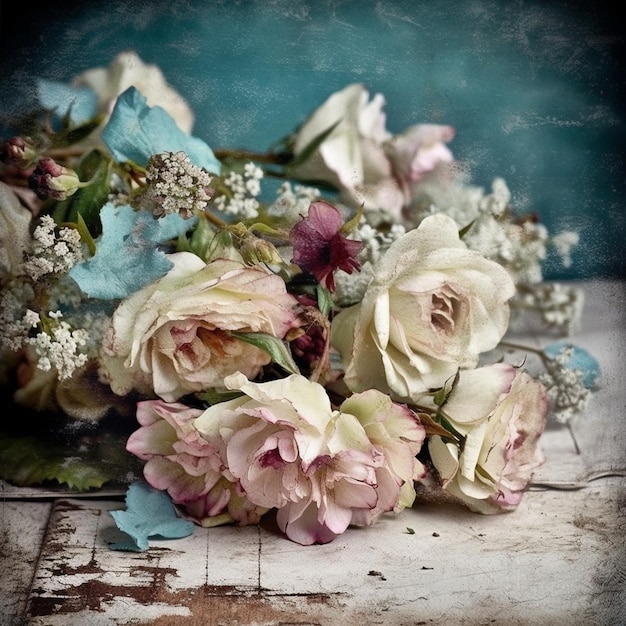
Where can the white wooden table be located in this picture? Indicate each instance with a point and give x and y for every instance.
(559, 559)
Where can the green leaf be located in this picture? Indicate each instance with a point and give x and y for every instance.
(88, 200)
(211, 396)
(276, 348)
(313, 146)
(71, 135)
(324, 300)
(81, 465)
(465, 229)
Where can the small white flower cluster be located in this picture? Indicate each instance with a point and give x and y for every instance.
(564, 242)
(60, 347)
(350, 288)
(15, 325)
(519, 245)
(566, 391)
(242, 192)
(559, 306)
(376, 241)
(51, 253)
(292, 201)
(175, 185)
(57, 347)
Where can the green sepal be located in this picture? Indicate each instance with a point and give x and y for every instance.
(95, 168)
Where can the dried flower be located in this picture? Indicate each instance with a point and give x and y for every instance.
(320, 248)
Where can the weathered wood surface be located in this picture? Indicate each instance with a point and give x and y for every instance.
(559, 559)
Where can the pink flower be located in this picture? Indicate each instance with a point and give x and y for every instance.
(500, 413)
(323, 469)
(177, 459)
(418, 150)
(319, 247)
(181, 462)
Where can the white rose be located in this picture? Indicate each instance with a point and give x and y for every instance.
(501, 414)
(351, 157)
(128, 70)
(173, 336)
(432, 307)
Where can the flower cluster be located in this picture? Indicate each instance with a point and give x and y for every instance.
(318, 354)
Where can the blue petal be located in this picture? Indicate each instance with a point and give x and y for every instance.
(127, 256)
(149, 513)
(136, 131)
(580, 360)
(81, 102)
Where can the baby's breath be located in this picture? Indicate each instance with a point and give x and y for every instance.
(239, 196)
(566, 391)
(60, 347)
(52, 252)
(292, 201)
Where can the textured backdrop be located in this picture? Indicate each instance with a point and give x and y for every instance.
(534, 89)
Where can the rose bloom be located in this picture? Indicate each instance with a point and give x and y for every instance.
(128, 70)
(351, 157)
(179, 461)
(82, 396)
(432, 306)
(173, 336)
(361, 158)
(418, 150)
(14, 231)
(501, 412)
(291, 451)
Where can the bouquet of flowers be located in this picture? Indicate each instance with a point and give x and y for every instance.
(323, 351)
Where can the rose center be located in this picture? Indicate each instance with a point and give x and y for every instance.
(272, 459)
(443, 312)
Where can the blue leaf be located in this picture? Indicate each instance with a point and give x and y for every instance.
(81, 102)
(580, 360)
(149, 513)
(136, 131)
(127, 256)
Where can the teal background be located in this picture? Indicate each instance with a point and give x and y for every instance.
(535, 90)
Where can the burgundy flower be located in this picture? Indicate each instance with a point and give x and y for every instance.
(319, 247)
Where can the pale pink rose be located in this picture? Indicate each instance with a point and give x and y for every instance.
(128, 70)
(179, 461)
(173, 337)
(321, 468)
(431, 307)
(418, 150)
(501, 413)
(396, 431)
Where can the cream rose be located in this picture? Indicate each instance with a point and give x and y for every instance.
(128, 70)
(500, 413)
(352, 157)
(173, 337)
(433, 306)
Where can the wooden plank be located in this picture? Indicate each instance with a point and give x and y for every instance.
(22, 527)
(553, 561)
